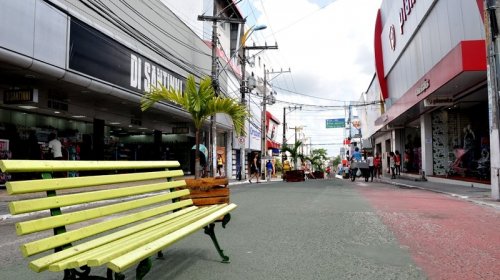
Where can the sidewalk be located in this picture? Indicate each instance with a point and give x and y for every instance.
(473, 192)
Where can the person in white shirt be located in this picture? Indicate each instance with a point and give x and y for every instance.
(55, 147)
(369, 160)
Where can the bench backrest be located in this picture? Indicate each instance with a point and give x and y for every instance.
(93, 204)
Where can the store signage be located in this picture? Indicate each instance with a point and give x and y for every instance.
(97, 55)
(19, 96)
(392, 37)
(424, 86)
(433, 102)
(180, 130)
(144, 74)
(335, 123)
(255, 133)
(404, 12)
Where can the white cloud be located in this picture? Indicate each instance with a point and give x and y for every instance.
(329, 51)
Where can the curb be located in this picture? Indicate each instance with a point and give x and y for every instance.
(463, 197)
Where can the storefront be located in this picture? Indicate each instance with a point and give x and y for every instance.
(431, 78)
(66, 69)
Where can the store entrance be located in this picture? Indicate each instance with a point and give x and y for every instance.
(411, 158)
(461, 146)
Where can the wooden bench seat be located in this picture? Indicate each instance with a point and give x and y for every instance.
(115, 220)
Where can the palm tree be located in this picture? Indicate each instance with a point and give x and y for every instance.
(201, 103)
(294, 152)
(317, 158)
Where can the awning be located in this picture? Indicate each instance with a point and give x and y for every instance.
(465, 64)
(272, 145)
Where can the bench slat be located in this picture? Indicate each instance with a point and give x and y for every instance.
(54, 241)
(103, 256)
(13, 166)
(37, 204)
(31, 186)
(125, 261)
(129, 240)
(88, 214)
(43, 263)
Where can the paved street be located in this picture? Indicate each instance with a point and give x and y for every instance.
(327, 229)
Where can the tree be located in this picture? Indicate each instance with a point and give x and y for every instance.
(201, 103)
(317, 158)
(294, 152)
(336, 161)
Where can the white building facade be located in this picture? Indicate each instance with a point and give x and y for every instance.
(431, 79)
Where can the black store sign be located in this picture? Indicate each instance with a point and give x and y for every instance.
(95, 54)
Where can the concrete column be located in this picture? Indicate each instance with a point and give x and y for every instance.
(399, 141)
(426, 142)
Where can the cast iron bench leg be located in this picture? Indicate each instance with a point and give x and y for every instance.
(211, 232)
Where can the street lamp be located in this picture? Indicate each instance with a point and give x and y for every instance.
(246, 35)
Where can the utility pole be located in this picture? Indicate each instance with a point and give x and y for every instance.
(243, 91)
(212, 149)
(284, 127)
(263, 127)
(491, 26)
(266, 100)
(215, 19)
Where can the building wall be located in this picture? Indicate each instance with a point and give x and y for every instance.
(431, 30)
(34, 28)
(371, 112)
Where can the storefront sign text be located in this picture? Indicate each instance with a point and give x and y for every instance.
(95, 54)
(18, 96)
(405, 11)
(144, 73)
(432, 102)
(426, 84)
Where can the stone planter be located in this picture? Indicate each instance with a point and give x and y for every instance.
(294, 176)
(319, 175)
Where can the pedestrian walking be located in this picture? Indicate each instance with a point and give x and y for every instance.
(269, 170)
(392, 164)
(220, 164)
(371, 168)
(254, 169)
(377, 165)
(397, 162)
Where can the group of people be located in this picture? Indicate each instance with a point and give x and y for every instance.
(395, 164)
(255, 169)
(374, 163)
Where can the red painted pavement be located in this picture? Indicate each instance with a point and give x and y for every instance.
(447, 237)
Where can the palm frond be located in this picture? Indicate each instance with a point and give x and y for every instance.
(200, 102)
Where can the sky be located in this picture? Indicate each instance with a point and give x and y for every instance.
(328, 47)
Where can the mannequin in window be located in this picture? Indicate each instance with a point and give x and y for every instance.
(469, 138)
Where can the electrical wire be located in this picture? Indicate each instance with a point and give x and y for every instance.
(125, 27)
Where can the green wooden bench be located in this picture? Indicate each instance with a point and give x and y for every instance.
(116, 220)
